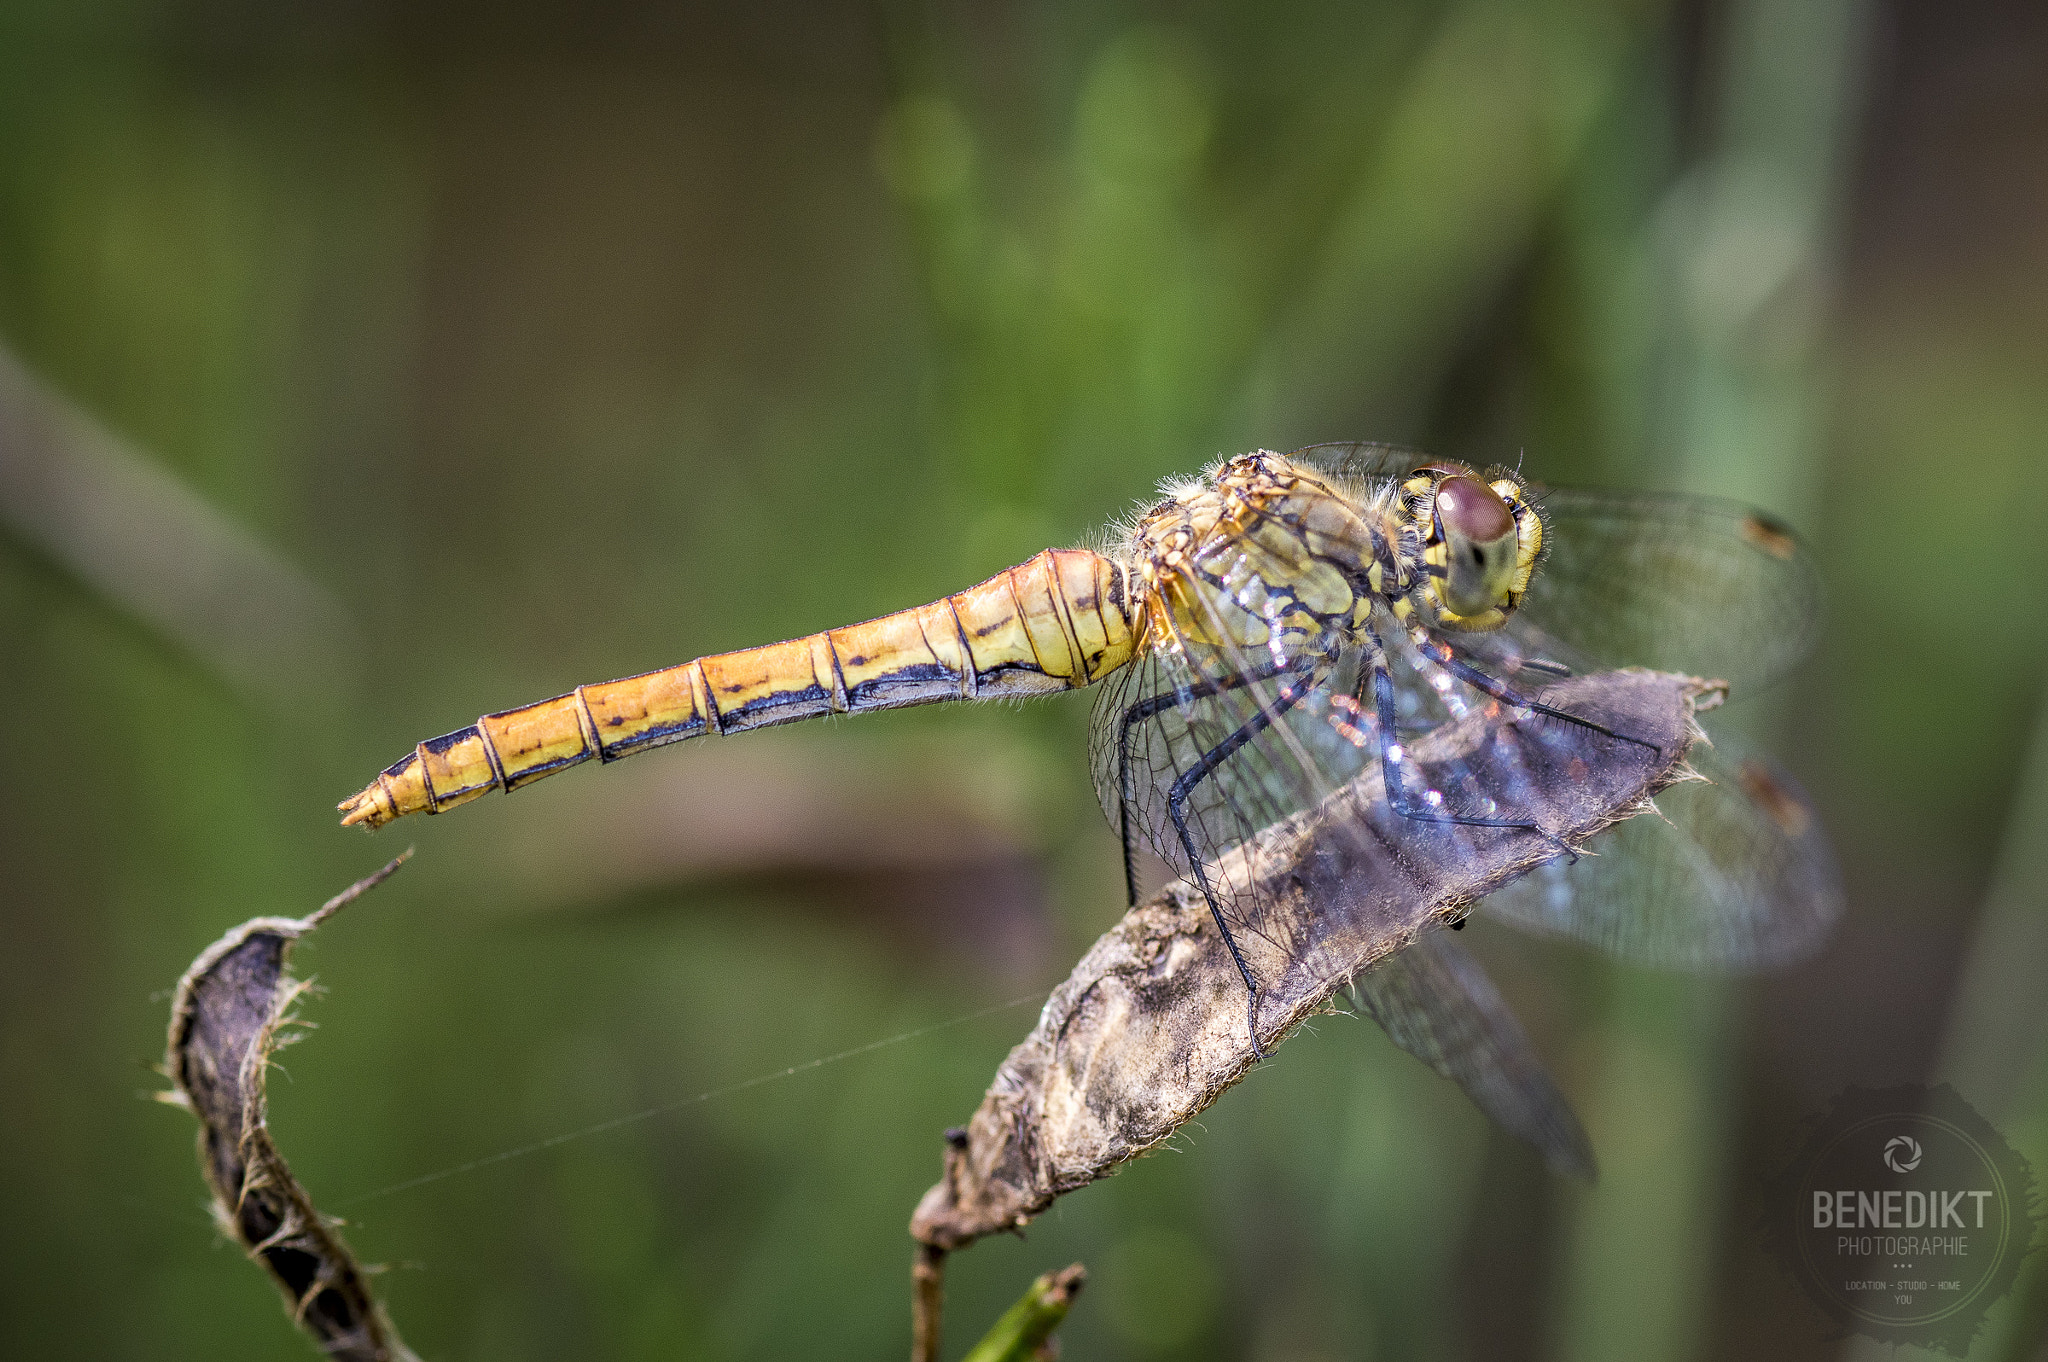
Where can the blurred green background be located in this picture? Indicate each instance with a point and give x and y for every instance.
(368, 366)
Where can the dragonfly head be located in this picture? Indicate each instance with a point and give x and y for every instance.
(1480, 542)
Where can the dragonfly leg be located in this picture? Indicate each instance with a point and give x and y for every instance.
(1137, 714)
(1176, 807)
(1441, 654)
(1393, 759)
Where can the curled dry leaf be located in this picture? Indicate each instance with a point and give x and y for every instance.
(226, 1021)
(1150, 1027)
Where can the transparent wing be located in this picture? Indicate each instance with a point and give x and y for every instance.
(1436, 1003)
(1735, 875)
(1245, 740)
(1241, 709)
(1699, 587)
(1678, 584)
(1361, 460)
(1228, 723)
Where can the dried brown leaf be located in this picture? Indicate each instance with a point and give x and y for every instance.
(1150, 1027)
(229, 1016)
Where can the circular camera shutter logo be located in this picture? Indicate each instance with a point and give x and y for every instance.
(1904, 1215)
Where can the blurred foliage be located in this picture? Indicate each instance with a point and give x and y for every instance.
(558, 344)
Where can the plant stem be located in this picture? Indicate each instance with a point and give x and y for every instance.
(1023, 1331)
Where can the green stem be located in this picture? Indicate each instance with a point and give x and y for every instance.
(1026, 1326)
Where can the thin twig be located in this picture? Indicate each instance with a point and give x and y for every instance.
(357, 890)
(927, 1302)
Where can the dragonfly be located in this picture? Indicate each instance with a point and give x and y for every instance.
(1266, 632)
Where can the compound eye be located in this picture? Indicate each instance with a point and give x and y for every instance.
(1479, 542)
(1467, 507)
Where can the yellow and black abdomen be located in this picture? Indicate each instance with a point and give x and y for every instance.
(1058, 622)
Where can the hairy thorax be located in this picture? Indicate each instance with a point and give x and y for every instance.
(1258, 551)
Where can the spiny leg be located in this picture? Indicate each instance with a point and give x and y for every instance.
(1137, 714)
(1176, 801)
(1392, 756)
(1440, 653)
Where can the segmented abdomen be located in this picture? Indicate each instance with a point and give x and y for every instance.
(1057, 622)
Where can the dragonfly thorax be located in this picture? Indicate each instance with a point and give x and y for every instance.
(1261, 556)
(1263, 549)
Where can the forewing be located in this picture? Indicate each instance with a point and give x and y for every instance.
(1360, 460)
(1238, 711)
(1699, 587)
(1735, 875)
(1680, 584)
(1184, 709)
(1436, 1003)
